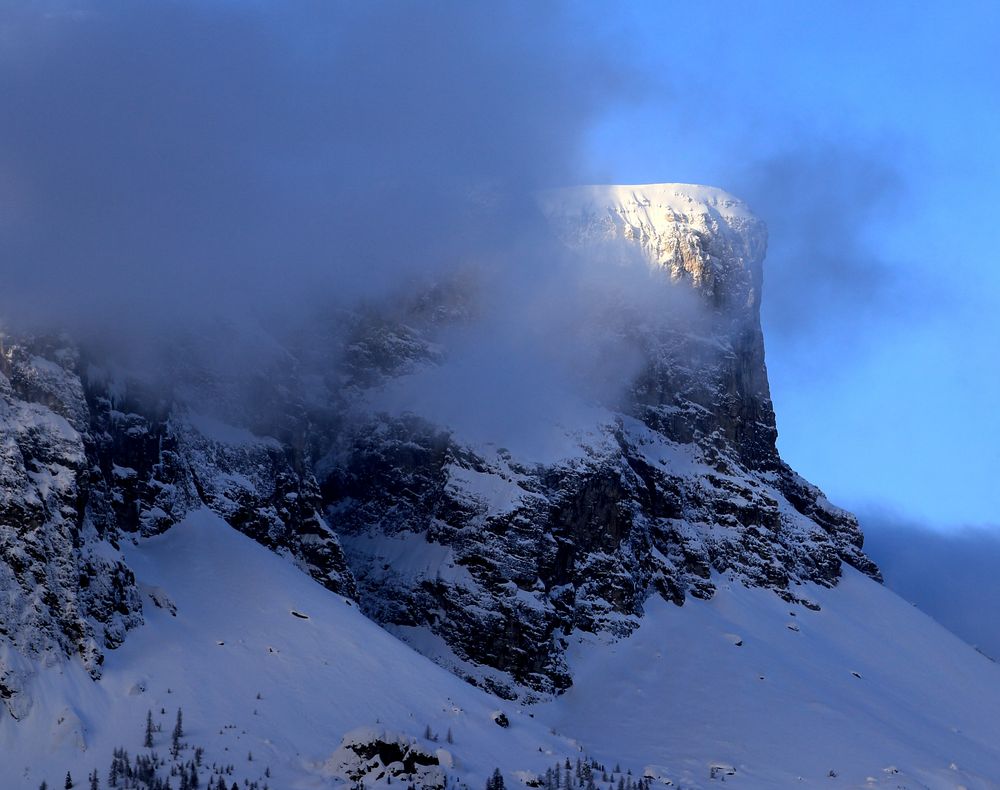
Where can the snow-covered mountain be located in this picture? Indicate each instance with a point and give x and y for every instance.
(654, 588)
(485, 557)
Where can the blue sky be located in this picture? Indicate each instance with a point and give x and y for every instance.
(882, 317)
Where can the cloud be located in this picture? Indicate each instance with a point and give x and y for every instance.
(951, 575)
(202, 174)
(824, 203)
(174, 163)
(196, 185)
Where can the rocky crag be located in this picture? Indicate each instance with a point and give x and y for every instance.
(483, 559)
(83, 467)
(499, 560)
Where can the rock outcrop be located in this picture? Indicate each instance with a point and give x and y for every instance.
(84, 467)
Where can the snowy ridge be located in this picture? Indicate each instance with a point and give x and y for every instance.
(652, 206)
(865, 692)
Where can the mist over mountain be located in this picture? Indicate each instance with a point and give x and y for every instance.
(211, 164)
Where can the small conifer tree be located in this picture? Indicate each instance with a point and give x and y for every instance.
(495, 782)
(175, 742)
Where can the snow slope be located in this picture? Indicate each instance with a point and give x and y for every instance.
(744, 686)
(868, 687)
(234, 636)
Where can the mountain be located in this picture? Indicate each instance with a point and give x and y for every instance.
(488, 559)
(635, 575)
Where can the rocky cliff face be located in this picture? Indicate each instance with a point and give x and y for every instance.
(483, 559)
(65, 589)
(490, 561)
(82, 468)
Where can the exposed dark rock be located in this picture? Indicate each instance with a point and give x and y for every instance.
(372, 756)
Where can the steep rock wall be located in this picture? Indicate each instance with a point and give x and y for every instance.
(489, 562)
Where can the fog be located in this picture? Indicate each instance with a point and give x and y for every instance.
(950, 574)
(216, 171)
(825, 203)
(193, 186)
(176, 163)
(206, 177)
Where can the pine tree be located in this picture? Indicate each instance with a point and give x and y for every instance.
(148, 742)
(44, 785)
(449, 736)
(175, 743)
(69, 781)
(95, 783)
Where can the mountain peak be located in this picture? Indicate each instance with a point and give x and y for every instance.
(700, 235)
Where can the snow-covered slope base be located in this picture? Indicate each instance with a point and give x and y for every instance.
(234, 636)
(744, 687)
(866, 692)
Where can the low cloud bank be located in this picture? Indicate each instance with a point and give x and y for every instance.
(952, 575)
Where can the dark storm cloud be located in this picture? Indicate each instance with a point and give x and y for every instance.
(166, 163)
(952, 575)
